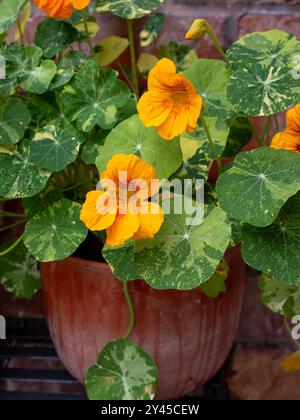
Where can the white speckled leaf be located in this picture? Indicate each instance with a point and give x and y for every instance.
(9, 10)
(25, 67)
(263, 82)
(275, 249)
(183, 257)
(121, 261)
(53, 148)
(56, 232)
(14, 119)
(132, 137)
(66, 68)
(128, 9)
(53, 36)
(258, 185)
(152, 29)
(94, 97)
(19, 272)
(280, 298)
(123, 372)
(20, 176)
(211, 78)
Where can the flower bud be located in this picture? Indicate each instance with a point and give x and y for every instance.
(197, 30)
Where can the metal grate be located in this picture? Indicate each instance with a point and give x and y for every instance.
(30, 368)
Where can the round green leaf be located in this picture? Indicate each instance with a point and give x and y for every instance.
(280, 298)
(9, 10)
(56, 232)
(211, 78)
(66, 68)
(14, 119)
(121, 260)
(24, 67)
(259, 183)
(19, 272)
(90, 149)
(20, 176)
(132, 137)
(123, 372)
(128, 9)
(94, 97)
(275, 249)
(53, 148)
(263, 81)
(183, 257)
(53, 36)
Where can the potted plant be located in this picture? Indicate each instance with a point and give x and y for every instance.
(97, 167)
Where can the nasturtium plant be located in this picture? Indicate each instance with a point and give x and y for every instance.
(263, 82)
(74, 111)
(128, 9)
(123, 372)
(94, 97)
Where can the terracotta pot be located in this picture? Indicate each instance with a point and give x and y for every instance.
(188, 335)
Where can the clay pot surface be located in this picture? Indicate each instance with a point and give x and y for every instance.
(187, 334)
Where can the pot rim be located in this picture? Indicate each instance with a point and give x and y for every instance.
(81, 262)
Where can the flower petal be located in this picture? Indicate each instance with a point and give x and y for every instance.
(174, 125)
(160, 75)
(80, 4)
(286, 140)
(293, 119)
(94, 214)
(150, 221)
(124, 228)
(292, 363)
(154, 108)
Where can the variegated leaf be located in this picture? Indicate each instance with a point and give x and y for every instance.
(56, 232)
(123, 372)
(128, 9)
(9, 10)
(14, 120)
(152, 29)
(258, 185)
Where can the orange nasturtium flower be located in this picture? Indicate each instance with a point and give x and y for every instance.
(292, 363)
(61, 9)
(123, 208)
(290, 138)
(171, 103)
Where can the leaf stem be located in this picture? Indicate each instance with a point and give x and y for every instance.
(211, 33)
(20, 31)
(266, 132)
(125, 75)
(134, 68)
(129, 301)
(11, 226)
(12, 247)
(9, 214)
(88, 38)
(256, 134)
(212, 145)
(276, 123)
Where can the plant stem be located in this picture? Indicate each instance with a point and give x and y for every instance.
(216, 42)
(212, 145)
(8, 214)
(20, 31)
(12, 247)
(4, 228)
(135, 74)
(266, 132)
(88, 38)
(125, 75)
(131, 311)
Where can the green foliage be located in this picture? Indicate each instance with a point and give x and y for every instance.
(14, 120)
(128, 9)
(9, 10)
(94, 97)
(216, 284)
(181, 54)
(152, 29)
(123, 372)
(19, 271)
(263, 82)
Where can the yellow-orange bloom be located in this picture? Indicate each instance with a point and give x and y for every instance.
(290, 138)
(292, 363)
(122, 208)
(171, 103)
(61, 9)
